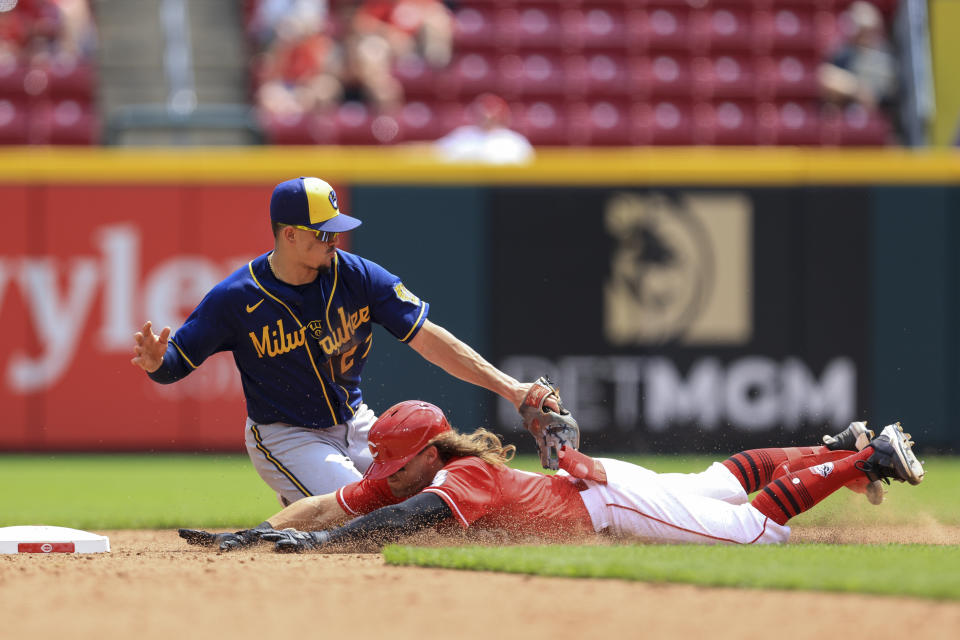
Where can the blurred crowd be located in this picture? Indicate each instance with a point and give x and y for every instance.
(44, 33)
(507, 73)
(315, 54)
(47, 72)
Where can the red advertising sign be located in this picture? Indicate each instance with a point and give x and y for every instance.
(81, 269)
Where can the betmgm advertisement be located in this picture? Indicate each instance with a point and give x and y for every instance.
(686, 319)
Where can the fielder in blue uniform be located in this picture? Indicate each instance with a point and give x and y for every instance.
(299, 321)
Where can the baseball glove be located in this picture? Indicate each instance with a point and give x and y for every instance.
(550, 429)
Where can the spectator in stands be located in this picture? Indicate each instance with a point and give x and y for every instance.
(381, 31)
(489, 139)
(863, 70)
(268, 14)
(300, 70)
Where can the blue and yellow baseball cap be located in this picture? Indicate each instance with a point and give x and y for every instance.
(309, 202)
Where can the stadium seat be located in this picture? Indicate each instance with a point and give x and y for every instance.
(14, 127)
(70, 123)
(605, 123)
(299, 128)
(785, 29)
(662, 28)
(532, 26)
(664, 122)
(421, 121)
(725, 28)
(468, 75)
(788, 123)
(788, 76)
(532, 75)
(857, 127)
(474, 28)
(11, 77)
(356, 125)
(418, 78)
(543, 123)
(598, 75)
(597, 26)
(664, 75)
(725, 76)
(725, 123)
(70, 79)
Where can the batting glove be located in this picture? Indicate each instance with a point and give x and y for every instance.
(293, 541)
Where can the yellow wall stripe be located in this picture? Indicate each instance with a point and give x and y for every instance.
(399, 165)
(323, 387)
(282, 469)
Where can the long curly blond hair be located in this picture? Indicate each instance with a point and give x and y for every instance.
(481, 443)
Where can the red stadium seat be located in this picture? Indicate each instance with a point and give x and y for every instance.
(726, 123)
(788, 76)
(532, 75)
(598, 75)
(14, 125)
(543, 123)
(788, 123)
(418, 78)
(664, 75)
(11, 77)
(357, 125)
(786, 29)
(604, 123)
(71, 123)
(663, 123)
(597, 26)
(474, 28)
(725, 76)
(421, 121)
(532, 26)
(468, 75)
(858, 127)
(299, 128)
(662, 28)
(726, 28)
(71, 79)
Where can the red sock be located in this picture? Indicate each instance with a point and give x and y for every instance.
(757, 467)
(798, 491)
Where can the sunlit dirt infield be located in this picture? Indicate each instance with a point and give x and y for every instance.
(152, 585)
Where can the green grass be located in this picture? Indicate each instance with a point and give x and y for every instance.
(934, 571)
(164, 491)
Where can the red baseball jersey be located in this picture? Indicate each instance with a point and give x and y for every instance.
(489, 496)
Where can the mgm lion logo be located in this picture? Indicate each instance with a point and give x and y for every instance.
(679, 271)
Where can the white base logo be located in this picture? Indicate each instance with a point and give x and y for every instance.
(824, 469)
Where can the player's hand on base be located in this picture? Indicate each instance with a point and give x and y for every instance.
(293, 541)
(148, 347)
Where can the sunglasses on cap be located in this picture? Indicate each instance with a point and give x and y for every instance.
(322, 236)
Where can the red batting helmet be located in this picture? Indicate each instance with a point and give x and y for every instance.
(401, 432)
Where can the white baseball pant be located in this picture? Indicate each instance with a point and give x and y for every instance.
(706, 507)
(298, 462)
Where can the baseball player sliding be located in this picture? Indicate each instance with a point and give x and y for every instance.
(299, 320)
(425, 474)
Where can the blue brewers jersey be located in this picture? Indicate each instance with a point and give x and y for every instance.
(300, 349)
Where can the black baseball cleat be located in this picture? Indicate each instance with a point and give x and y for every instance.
(892, 457)
(853, 438)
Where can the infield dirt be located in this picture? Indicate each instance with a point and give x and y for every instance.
(155, 586)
